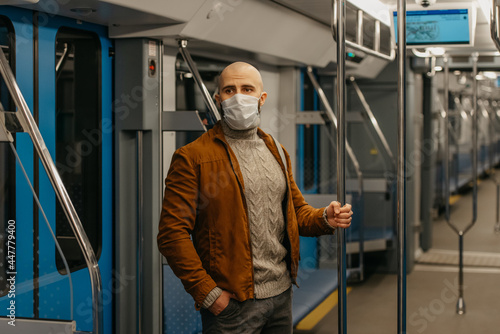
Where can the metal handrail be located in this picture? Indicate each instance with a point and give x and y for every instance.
(331, 116)
(461, 232)
(338, 29)
(432, 73)
(495, 24)
(212, 108)
(6, 136)
(450, 127)
(401, 168)
(357, 168)
(374, 122)
(62, 60)
(55, 179)
(357, 46)
(459, 104)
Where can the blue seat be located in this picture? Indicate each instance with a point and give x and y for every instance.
(372, 233)
(179, 314)
(315, 286)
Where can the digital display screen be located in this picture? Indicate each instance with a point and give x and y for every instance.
(428, 27)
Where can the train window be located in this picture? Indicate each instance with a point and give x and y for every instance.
(385, 39)
(78, 144)
(368, 31)
(188, 95)
(310, 136)
(351, 29)
(7, 161)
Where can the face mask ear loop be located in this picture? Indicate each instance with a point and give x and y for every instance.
(259, 106)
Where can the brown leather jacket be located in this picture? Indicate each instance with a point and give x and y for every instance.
(204, 197)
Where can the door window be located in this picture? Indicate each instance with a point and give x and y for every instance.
(78, 139)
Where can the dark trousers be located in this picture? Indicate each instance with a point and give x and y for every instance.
(266, 316)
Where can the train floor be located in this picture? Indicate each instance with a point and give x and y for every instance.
(433, 283)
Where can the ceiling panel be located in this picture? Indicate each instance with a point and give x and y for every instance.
(319, 10)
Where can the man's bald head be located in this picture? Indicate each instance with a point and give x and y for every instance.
(241, 69)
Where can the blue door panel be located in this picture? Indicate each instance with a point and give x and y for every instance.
(53, 296)
(22, 22)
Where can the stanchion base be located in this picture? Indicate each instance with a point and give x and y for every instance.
(497, 228)
(461, 306)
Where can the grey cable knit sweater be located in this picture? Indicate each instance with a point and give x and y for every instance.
(265, 188)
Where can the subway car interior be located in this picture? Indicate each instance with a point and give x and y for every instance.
(390, 105)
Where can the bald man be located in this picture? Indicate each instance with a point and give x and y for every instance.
(232, 215)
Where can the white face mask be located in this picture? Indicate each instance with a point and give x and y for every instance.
(241, 112)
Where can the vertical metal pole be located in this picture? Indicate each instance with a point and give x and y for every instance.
(161, 79)
(446, 164)
(140, 238)
(341, 99)
(474, 142)
(330, 114)
(401, 167)
(461, 301)
(461, 233)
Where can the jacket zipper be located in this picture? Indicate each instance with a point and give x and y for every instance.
(248, 222)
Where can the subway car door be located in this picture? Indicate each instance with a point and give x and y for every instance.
(71, 100)
(16, 199)
(75, 119)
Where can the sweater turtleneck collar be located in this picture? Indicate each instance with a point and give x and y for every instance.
(250, 134)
